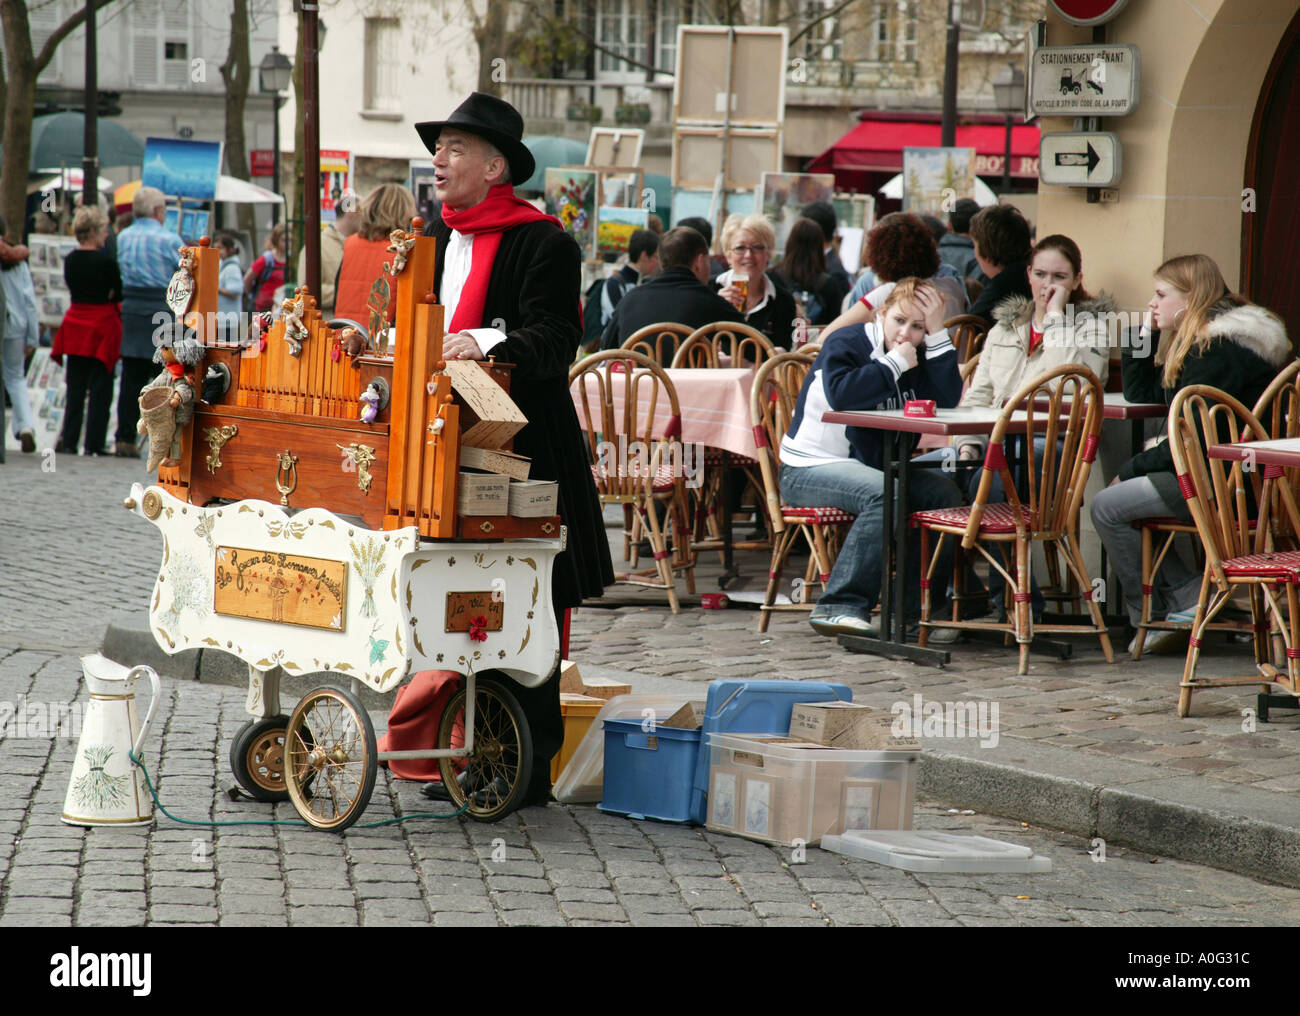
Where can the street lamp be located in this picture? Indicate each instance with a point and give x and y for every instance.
(274, 74)
(1009, 97)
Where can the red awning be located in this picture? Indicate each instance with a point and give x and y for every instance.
(876, 146)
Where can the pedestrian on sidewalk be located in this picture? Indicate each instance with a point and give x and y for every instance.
(266, 274)
(90, 337)
(148, 256)
(21, 331)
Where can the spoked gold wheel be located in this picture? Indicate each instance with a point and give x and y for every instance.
(495, 778)
(257, 758)
(330, 759)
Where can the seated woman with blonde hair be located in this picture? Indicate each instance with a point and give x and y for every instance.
(748, 242)
(1203, 334)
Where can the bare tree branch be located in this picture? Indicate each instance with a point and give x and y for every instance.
(62, 32)
(817, 20)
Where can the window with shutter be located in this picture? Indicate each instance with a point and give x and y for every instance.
(382, 38)
(146, 43)
(43, 21)
(176, 43)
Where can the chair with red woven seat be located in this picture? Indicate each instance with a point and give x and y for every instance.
(1221, 495)
(623, 394)
(1066, 403)
(771, 408)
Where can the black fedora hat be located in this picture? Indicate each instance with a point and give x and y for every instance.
(492, 119)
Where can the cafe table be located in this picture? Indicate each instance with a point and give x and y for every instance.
(900, 430)
(714, 406)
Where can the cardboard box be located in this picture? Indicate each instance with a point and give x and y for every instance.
(847, 725)
(499, 419)
(506, 463)
(689, 717)
(483, 494)
(572, 682)
(832, 724)
(530, 499)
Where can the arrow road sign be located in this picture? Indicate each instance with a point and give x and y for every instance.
(1079, 160)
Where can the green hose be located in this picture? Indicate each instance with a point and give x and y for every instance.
(274, 822)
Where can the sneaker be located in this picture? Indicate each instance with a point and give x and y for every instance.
(831, 625)
(28, 440)
(1161, 642)
(1181, 616)
(938, 636)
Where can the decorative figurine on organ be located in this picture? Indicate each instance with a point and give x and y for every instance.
(295, 332)
(167, 402)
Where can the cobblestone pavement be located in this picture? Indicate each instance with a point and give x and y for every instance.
(543, 866)
(86, 563)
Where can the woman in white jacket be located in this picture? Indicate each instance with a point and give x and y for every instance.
(18, 330)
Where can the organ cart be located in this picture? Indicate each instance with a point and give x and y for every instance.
(312, 525)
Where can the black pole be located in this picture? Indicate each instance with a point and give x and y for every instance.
(948, 134)
(90, 137)
(311, 144)
(275, 158)
(1006, 160)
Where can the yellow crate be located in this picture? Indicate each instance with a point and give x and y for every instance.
(578, 711)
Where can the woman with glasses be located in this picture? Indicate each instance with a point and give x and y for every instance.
(748, 242)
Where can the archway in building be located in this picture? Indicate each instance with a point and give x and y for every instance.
(1270, 242)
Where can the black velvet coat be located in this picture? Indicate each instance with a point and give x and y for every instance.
(534, 289)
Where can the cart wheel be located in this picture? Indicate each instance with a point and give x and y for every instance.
(257, 758)
(330, 759)
(495, 778)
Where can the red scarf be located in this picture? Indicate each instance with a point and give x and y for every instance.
(176, 370)
(486, 221)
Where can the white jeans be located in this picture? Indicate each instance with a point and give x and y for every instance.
(1114, 510)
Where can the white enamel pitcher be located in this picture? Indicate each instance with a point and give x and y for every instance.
(106, 788)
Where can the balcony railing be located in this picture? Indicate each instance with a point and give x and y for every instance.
(554, 99)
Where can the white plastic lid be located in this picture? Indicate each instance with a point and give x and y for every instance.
(923, 850)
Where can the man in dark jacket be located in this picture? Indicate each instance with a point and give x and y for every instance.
(680, 292)
(956, 248)
(509, 279)
(1001, 237)
(642, 264)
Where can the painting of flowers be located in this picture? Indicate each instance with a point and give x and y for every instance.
(571, 197)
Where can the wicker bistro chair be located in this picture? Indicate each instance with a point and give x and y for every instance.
(1237, 553)
(1278, 411)
(653, 477)
(705, 348)
(1069, 399)
(771, 408)
(659, 342)
(968, 332)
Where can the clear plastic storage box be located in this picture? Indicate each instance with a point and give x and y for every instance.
(778, 791)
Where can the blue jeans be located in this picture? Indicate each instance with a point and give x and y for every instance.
(15, 382)
(854, 584)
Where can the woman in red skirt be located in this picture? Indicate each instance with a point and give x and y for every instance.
(90, 336)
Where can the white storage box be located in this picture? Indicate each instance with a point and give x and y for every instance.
(483, 494)
(770, 788)
(531, 499)
(934, 851)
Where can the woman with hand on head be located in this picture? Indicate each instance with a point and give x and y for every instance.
(748, 243)
(906, 354)
(1202, 334)
(900, 246)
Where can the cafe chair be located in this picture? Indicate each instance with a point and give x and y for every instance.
(659, 342)
(723, 344)
(771, 408)
(1237, 554)
(1065, 404)
(625, 393)
(1278, 410)
(967, 332)
(709, 344)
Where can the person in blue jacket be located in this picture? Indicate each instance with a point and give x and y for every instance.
(905, 353)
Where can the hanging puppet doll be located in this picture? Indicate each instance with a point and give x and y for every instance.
(167, 402)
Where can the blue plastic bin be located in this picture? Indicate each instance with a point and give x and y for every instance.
(650, 775)
(750, 707)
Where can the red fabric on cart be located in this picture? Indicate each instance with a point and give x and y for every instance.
(413, 723)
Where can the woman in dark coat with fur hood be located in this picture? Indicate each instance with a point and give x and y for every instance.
(1202, 334)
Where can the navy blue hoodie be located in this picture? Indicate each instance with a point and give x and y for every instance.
(853, 372)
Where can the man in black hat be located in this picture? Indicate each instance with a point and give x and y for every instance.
(509, 280)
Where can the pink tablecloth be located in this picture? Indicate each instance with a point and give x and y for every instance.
(714, 404)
